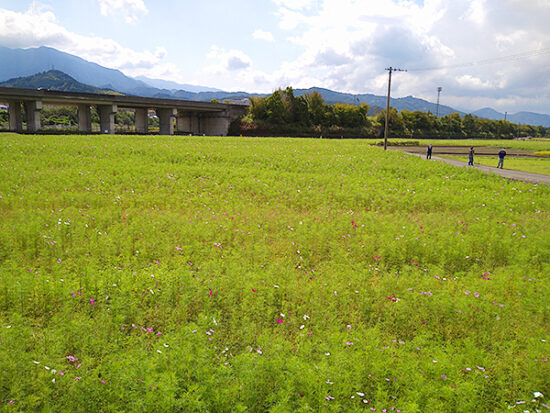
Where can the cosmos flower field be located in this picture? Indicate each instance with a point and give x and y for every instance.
(226, 274)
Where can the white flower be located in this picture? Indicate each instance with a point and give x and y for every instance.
(360, 394)
(538, 394)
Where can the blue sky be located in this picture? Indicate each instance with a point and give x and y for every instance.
(344, 45)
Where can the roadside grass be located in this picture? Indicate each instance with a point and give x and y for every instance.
(146, 273)
(534, 165)
(539, 144)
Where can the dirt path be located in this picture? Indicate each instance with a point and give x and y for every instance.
(507, 173)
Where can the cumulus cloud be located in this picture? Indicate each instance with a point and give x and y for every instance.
(263, 35)
(37, 27)
(132, 10)
(227, 60)
(347, 44)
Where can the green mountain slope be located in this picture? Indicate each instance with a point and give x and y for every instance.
(54, 80)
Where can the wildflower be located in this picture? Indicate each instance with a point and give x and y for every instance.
(360, 394)
(77, 378)
(280, 321)
(443, 377)
(349, 343)
(92, 301)
(538, 395)
(329, 398)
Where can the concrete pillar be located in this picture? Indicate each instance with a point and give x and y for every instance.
(32, 111)
(15, 118)
(216, 124)
(187, 122)
(107, 118)
(166, 121)
(84, 118)
(142, 120)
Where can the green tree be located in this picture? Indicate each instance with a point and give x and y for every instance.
(275, 108)
(396, 125)
(316, 108)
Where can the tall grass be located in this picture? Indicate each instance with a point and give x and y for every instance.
(233, 274)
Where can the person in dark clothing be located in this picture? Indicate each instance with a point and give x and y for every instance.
(471, 156)
(429, 153)
(501, 156)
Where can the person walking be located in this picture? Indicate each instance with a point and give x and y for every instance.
(471, 156)
(429, 153)
(501, 156)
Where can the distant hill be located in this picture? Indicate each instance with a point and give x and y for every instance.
(26, 62)
(53, 80)
(15, 63)
(166, 84)
(489, 114)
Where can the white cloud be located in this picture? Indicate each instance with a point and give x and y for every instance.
(263, 35)
(347, 44)
(36, 27)
(294, 4)
(130, 9)
(227, 60)
(471, 82)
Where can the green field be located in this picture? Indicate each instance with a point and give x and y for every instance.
(236, 274)
(538, 144)
(534, 165)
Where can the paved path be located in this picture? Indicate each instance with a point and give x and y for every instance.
(507, 173)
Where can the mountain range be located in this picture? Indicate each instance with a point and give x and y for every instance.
(88, 76)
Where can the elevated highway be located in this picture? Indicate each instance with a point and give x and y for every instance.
(189, 116)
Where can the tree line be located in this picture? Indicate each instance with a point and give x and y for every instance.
(283, 113)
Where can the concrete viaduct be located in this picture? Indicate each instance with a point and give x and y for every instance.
(191, 117)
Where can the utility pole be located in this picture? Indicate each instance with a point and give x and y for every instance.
(439, 89)
(389, 69)
(505, 114)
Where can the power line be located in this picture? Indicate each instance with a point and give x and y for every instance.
(510, 58)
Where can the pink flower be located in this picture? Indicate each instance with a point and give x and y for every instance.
(349, 343)
(77, 378)
(280, 321)
(210, 292)
(92, 301)
(61, 373)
